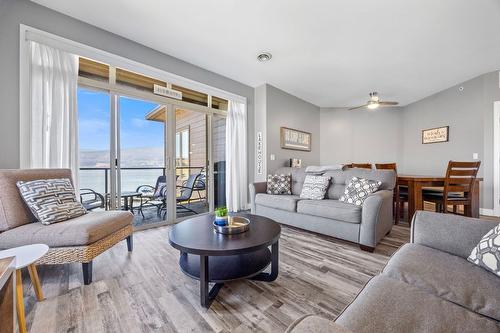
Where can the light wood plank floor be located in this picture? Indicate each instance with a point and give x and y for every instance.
(145, 291)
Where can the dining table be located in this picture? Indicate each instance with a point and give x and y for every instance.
(416, 184)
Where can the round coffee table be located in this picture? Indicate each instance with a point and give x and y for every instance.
(212, 257)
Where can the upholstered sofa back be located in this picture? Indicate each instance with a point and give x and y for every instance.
(13, 210)
(339, 178)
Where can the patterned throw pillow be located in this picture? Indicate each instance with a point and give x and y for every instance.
(486, 254)
(358, 189)
(315, 187)
(51, 200)
(279, 184)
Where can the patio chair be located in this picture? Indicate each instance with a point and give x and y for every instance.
(153, 196)
(91, 200)
(187, 189)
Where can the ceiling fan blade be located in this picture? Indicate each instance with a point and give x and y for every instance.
(358, 107)
(388, 103)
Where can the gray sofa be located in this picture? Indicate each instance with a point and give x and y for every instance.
(427, 286)
(365, 225)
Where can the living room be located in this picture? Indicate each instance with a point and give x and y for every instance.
(260, 166)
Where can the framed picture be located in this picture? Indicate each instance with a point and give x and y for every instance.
(435, 135)
(295, 139)
(295, 162)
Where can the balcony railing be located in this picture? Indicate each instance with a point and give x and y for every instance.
(98, 178)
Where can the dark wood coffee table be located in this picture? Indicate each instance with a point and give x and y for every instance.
(212, 257)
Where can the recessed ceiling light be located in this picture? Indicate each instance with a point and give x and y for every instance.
(264, 56)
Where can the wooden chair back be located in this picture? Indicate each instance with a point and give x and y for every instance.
(387, 166)
(460, 178)
(359, 165)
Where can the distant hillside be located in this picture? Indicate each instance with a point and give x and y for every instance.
(134, 157)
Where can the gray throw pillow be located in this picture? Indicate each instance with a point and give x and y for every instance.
(51, 200)
(315, 187)
(279, 184)
(486, 254)
(358, 190)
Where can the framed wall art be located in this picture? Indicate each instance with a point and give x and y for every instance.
(435, 135)
(295, 139)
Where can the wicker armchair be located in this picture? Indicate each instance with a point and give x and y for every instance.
(77, 240)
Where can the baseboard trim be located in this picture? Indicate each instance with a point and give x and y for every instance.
(487, 212)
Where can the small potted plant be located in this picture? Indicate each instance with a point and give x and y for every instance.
(221, 216)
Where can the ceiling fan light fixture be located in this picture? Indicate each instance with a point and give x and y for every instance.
(372, 106)
(264, 56)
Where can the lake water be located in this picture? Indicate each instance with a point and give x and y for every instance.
(131, 179)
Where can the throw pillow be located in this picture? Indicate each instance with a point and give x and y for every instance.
(358, 189)
(315, 187)
(486, 254)
(51, 200)
(279, 184)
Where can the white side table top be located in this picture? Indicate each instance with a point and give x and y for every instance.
(25, 255)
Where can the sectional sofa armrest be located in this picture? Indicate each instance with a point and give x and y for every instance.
(450, 233)
(255, 188)
(376, 218)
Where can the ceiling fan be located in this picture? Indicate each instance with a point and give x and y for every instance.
(374, 102)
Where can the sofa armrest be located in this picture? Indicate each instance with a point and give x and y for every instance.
(315, 324)
(450, 233)
(255, 188)
(376, 218)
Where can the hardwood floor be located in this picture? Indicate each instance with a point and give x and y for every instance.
(145, 291)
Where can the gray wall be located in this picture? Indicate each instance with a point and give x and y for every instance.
(394, 135)
(15, 12)
(285, 110)
(361, 136)
(469, 113)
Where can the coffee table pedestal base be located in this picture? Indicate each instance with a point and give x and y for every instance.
(220, 269)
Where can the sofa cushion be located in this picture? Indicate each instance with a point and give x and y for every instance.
(390, 305)
(487, 252)
(463, 283)
(283, 202)
(331, 209)
(83, 230)
(298, 176)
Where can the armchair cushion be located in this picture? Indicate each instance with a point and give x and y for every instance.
(83, 230)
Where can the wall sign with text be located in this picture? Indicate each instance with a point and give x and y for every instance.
(435, 135)
(295, 139)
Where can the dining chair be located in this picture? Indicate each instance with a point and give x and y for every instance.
(458, 187)
(400, 192)
(359, 165)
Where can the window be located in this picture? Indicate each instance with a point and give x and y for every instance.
(182, 148)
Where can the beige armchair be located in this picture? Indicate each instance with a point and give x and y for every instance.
(77, 240)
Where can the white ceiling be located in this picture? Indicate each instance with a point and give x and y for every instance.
(328, 52)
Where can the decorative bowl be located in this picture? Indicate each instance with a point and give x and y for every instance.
(235, 225)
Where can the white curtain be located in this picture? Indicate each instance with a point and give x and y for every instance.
(53, 114)
(236, 157)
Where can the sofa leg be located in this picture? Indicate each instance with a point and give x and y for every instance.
(87, 272)
(366, 248)
(130, 243)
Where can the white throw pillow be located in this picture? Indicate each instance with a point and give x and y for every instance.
(486, 254)
(358, 190)
(315, 187)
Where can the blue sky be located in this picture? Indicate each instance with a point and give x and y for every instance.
(135, 131)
